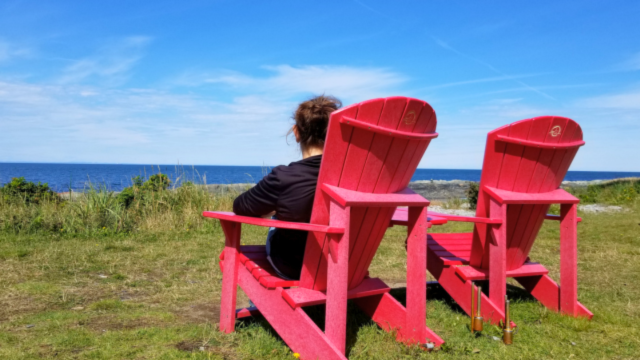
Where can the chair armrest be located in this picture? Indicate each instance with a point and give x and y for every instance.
(229, 216)
(472, 219)
(557, 196)
(401, 218)
(557, 217)
(344, 197)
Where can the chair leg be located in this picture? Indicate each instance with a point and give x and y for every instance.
(417, 274)
(498, 257)
(547, 291)
(230, 276)
(338, 279)
(460, 289)
(568, 259)
(390, 315)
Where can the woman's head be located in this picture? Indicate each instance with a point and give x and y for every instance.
(312, 119)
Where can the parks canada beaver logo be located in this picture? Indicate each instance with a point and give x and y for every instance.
(410, 118)
(555, 131)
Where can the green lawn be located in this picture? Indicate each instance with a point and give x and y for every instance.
(148, 295)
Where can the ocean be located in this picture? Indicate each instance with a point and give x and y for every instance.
(62, 177)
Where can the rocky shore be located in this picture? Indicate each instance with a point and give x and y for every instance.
(435, 190)
(439, 190)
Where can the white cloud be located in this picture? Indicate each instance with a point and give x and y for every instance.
(631, 64)
(9, 51)
(622, 101)
(348, 83)
(111, 64)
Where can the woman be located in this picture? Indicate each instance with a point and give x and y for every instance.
(289, 190)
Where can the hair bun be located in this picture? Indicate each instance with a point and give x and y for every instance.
(312, 119)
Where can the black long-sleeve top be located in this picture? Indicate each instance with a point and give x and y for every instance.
(289, 191)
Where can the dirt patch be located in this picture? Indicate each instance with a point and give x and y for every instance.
(599, 208)
(112, 323)
(199, 313)
(190, 346)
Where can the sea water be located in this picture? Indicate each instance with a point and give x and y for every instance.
(115, 177)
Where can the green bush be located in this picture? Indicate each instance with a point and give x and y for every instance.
(472, 194)
(143, 190)
(617, 192)
(28, 192)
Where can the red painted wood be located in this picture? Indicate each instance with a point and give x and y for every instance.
(404, 197)
(459, 289)
(473, 219)
(569, 259)
(229, 216)
(386, 131)
(416, 274)
(300, 297)
(333, 159)
(337, 288)
(400, 217)
(558, 196)
(547, 292)
(247, 312)
(368, 233)
(294, 326)
(343, 240)
(390, 315)
(390, 170)
(539, 144)
(523, 178)
(498, 257)
(558, 218)
(230, 279)
(528, 269)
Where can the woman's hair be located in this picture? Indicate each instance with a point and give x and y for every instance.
(312, 119)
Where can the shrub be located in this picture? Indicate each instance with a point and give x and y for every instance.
(30, 193)
(472, 194)
(617, 192)
(141, 190)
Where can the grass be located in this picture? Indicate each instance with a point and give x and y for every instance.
(151, 290)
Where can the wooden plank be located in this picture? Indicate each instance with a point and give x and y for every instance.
(294, 326)
(344, 197)
(229, 216)
(549, 161)
(569, 260)
(230, 276)
(390, 315)
(558, 196)
(416, 274)
(412, 121)
(493, 154)
(338, 280)
(538, 132)
(330, 171)
(473, 273)
(366, 237)
(300, 297)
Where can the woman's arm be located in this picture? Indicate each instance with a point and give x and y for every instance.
(260, 200)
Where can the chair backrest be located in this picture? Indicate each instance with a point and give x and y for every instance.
(528, 156)
(367, 160)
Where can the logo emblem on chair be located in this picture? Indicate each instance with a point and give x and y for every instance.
(555, 131)
(410, 118)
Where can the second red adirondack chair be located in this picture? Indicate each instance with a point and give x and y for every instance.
(371, 152)
(524, 164)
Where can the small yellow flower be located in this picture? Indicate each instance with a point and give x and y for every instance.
(296, 355)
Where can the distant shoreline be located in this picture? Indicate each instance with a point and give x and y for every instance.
(431, 189)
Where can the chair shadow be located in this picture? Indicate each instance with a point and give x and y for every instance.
(435, 292)
(356, 319)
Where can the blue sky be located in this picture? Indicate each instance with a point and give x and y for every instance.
(215, 82)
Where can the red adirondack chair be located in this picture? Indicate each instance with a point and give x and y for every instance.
(524, 164)
(371, 151)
